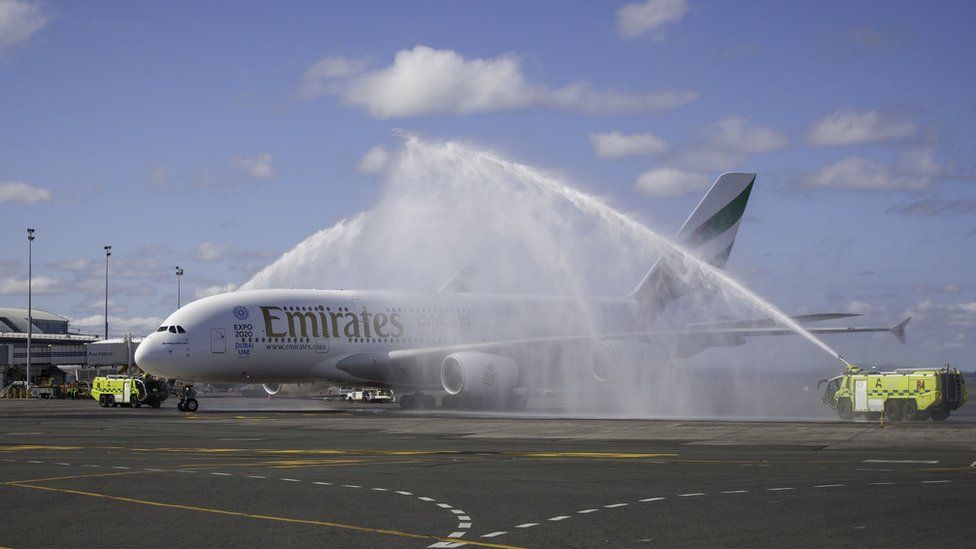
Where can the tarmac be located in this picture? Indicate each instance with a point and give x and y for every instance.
(301, 472)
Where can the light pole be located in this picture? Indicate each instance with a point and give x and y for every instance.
(108, 252)
(179, 287)
(30, 314)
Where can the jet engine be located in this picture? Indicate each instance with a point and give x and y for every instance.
(272, 388)
(478, 374)
(609, 355)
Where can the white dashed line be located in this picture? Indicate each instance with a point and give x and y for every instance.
(559, 518)
(528, 525)
(121, 467)
(34, 461)
(221, 474)
(735, 492)
(777, 489)
(464, 525)
(973, 464)
(255, 476)
(645, 500)
(379, 489)
(922, 461)
(456, 534)
(423, 498)
(828, 486)
(880, 483)
(402, 493)
(935, 481)
(444, 506)
(351, 486)
(615, 505)
(691, 495)
(457, 511)
(320, 483)
(62, 463)
(445, 544)
(152, 470)
(464, 518)
(186, 471)
(494, 534)
(292, 480)
(585, 511)
(91, 465)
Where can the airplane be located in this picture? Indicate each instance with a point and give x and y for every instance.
(480, 349)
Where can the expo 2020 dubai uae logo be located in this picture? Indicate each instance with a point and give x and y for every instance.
(241, 312)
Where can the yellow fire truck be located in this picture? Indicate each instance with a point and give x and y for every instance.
(122, 390)
(906, 393)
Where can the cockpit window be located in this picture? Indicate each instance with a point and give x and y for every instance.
(172, 329)
(162, 328)
(180, 329)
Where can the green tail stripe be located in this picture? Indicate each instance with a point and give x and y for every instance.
(723, 219)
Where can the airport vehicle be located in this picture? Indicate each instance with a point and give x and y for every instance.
(122, 390)
(478, 348)
(370, 395)
(905, 393)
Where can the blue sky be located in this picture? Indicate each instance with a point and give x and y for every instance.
(218, 135)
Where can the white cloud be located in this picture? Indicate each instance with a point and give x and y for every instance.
(737, 135)
(617, 145)
(215, 290)
(662, 182)
(23, 193)
(427, 81)
(649, 17)
(39, 285)
(209, 251)
(860, 128)
(137, 326)
(258, 167)
(914, 170)
(19, 19)
(375, 160)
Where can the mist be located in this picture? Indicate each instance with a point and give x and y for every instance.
(520, 230)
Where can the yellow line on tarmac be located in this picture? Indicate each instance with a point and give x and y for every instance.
(593, 455)
(339, 525)
(27, 447)
(93, 475)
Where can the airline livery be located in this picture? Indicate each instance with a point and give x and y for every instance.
(480, 349)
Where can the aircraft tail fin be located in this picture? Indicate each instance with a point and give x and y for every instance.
(898, 330)
(708, 233)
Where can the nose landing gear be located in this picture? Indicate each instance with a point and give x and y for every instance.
(187, 403)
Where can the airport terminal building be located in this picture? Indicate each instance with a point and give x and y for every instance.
(52, 345)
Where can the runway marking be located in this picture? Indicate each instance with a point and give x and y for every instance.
(62, 463)
(615, 505)
(152, 470)
(559, 518)
(735, 492)
(457, 512)
(464, 525)
(528, 525)
(91, 465)
(594, 455)
(828, 485)
(320, 483)
(444, 506)
(27, 447)
(880, 483)
(221, 474)
(380, 489)
(34, 461)
(121, 467)
(351, 486)
(645, 500)
(463, 517)
(778, 489)
(691, 495)
(585, 511)
(456, 534)
(291, 480)
(494, 534)
(973, 464)
(402, 493)
(935, 481)
(425, 499)
(922, 461)
(68, 477)
(255, 476)
(273, 518)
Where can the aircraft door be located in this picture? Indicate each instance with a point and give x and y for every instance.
(218, 340)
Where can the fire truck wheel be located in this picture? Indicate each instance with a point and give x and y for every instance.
(844, 410)
(939, 413)
(190, 405)
(103, 401)
(908, 409)
(892, 409)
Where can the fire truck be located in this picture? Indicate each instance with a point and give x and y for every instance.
(902, 394)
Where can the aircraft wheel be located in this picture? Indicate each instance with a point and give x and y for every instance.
(908, 410)
(406, 402)
(191, 405)
(892, 409)
(844, 410)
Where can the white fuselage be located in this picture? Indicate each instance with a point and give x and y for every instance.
(283, 336)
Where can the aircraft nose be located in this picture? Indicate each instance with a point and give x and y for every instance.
(149, 356)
